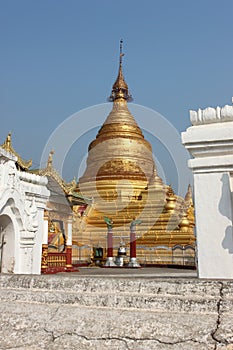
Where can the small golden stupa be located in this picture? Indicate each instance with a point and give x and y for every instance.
(121, 178)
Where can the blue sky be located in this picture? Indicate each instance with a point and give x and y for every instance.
(60, 56)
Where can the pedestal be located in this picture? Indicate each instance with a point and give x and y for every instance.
(133, 259)
(110, 262)
(133, 263)
(69, 266)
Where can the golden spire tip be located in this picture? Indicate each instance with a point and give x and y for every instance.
(121, 53)
(120, 88)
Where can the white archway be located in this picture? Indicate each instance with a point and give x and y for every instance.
(7, 244)
(23, 198)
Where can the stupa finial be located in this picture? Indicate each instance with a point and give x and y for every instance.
(121, 53)
(120, 88)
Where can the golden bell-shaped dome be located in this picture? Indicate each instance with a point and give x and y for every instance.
(119, 150)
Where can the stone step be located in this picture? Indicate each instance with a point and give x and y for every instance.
(183, 295)
(114, 300)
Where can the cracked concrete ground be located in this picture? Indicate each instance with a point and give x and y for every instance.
(136, 313)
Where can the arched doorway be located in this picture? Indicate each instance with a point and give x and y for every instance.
(7, 244)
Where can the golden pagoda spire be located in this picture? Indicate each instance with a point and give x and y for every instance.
(22, 164)
(120, 88)
(119, 149)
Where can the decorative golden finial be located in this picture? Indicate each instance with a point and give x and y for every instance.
(7, 144)
(22, 164)
(8, 141)
(50, 159)
(170, 191)
(188, 197)
(170, 200)
(120, 87)
(189, 206)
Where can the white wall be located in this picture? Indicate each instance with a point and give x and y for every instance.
(210, 142)
(213, 225)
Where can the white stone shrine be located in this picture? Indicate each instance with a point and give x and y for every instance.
(210, 142)
(23, 198)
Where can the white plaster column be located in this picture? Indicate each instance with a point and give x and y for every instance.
(210, 142)
(41, 238)
(214, 225)
(45, 229)
(26, 262)
(69, 233)
(69, 247)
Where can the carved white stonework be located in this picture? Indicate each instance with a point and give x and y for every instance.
(23, 198)
(211, 115)
(210, 142)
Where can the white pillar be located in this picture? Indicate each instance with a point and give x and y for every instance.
(210, 141)
(26, 252)
(69, 234)
(45, 229)
(214, 225)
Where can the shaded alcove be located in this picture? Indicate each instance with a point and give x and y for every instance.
(7, 243)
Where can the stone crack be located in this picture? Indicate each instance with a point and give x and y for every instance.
(89, 338)
(49, 321)
(218, 321)
(165, 342)
(51, 333)
(125, 339)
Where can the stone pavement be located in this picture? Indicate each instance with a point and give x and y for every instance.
(117, 309)
(135, 272)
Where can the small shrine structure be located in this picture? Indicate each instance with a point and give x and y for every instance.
(58, 246)
(23, 199)
(37, 212)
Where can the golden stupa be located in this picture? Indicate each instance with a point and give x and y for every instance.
(121, 178)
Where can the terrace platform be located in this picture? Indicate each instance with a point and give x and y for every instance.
(118, 309)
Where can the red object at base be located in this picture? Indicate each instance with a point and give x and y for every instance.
(57, 262)
(133, 244)
(110, 243)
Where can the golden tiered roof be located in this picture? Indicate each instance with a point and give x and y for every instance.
(22, 164)
(49, 170)
(67, 187)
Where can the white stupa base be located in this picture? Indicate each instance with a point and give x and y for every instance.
(109, 262)
(133, 263)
